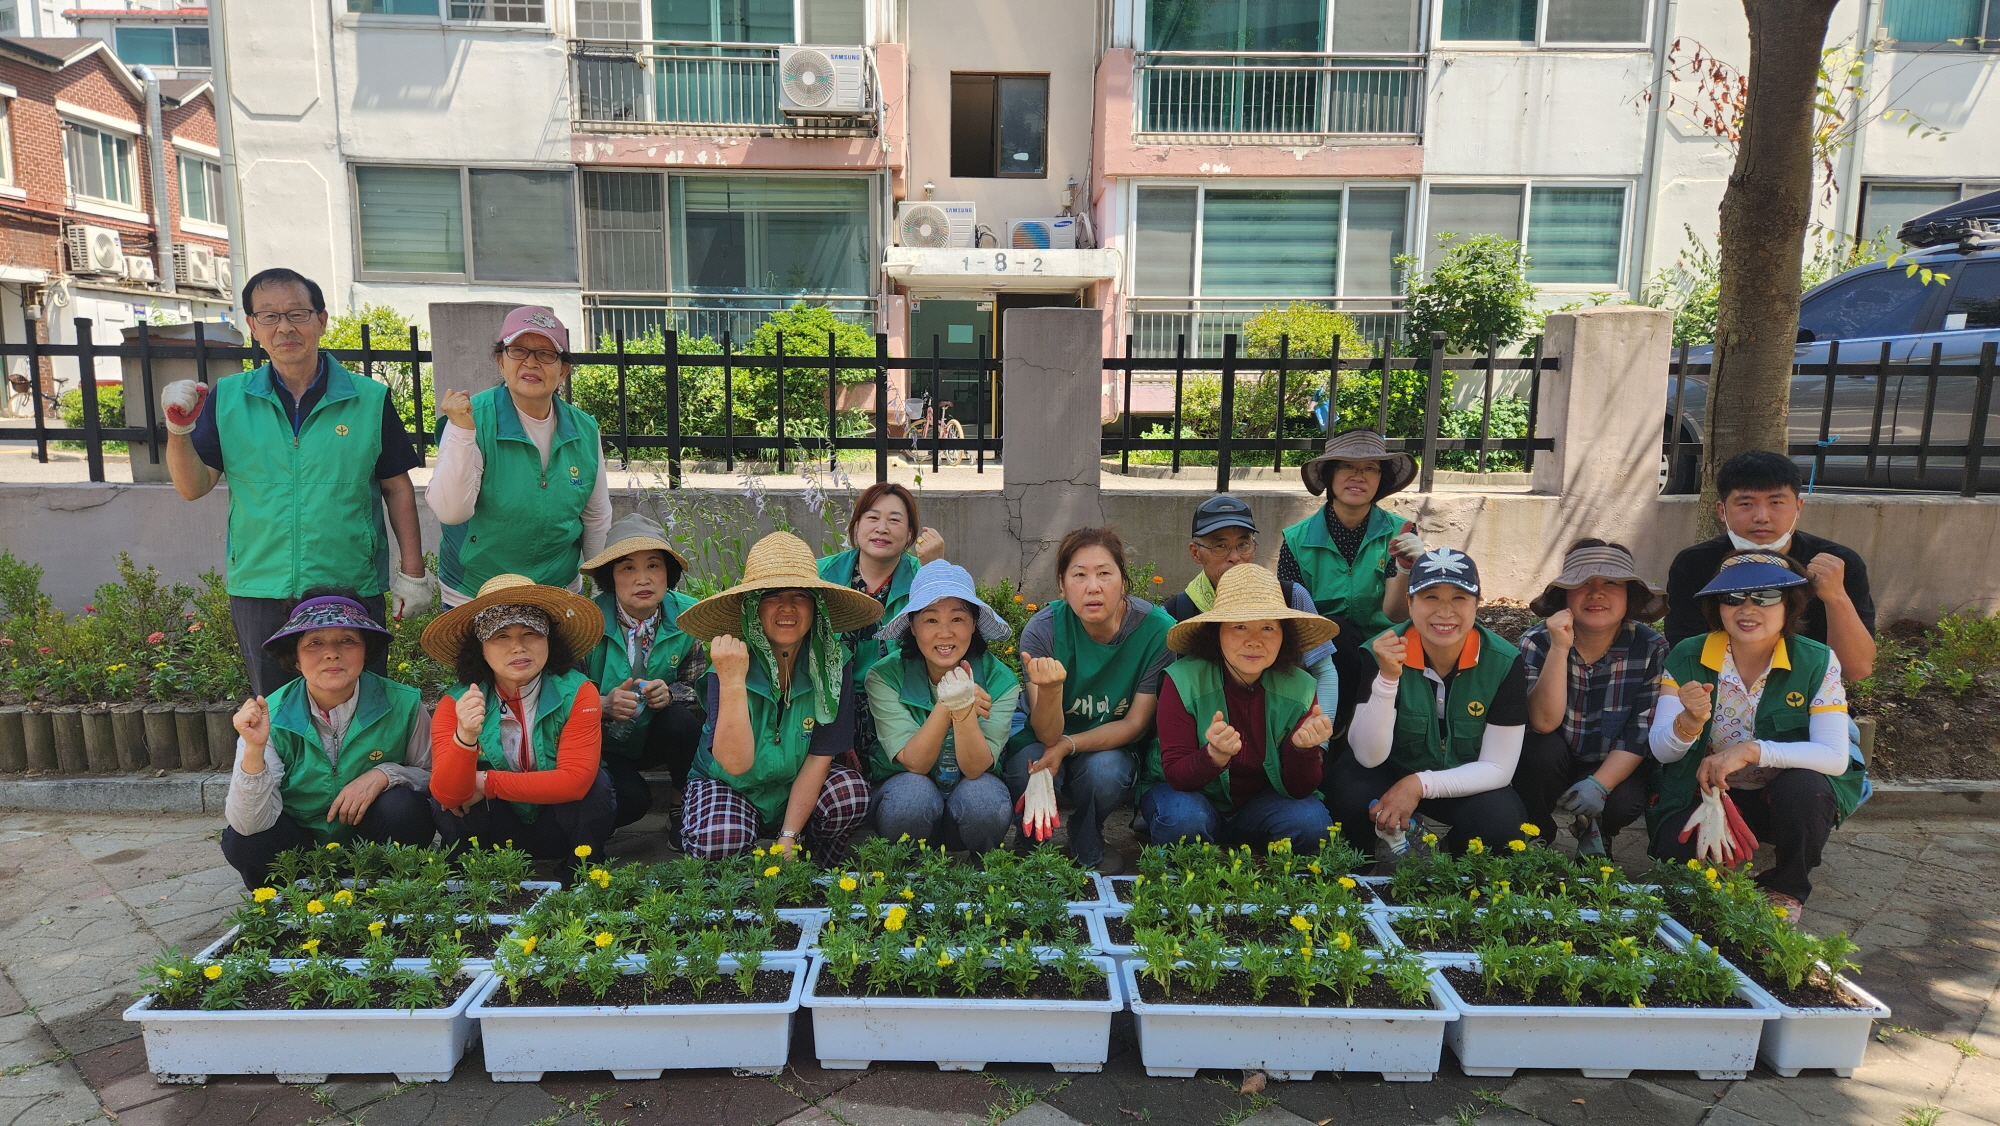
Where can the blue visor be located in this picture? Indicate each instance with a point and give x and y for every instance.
(1752, 571)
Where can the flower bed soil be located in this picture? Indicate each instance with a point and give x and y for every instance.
(771, 987)
(1934, 734)
(1469, 945)
(1811, 994)
(1238, 929)
(1047, 986)
(480, 942)
(1234, 990)
(1471, 988)
(276, 995)
(784, 935)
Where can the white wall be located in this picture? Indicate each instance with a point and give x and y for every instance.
(1536, 113)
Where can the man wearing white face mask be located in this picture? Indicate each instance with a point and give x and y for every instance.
(1760, 508)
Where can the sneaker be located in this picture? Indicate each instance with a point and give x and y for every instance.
(1112, 863)
(1792, 907)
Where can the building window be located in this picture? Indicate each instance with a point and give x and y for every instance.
(835, 23)
(1575, 233)
(1233, 25)
(625, 231)
(10, 21)
(723, 21)
(1549, 22)
(1254, 242)
(999, 125)
(497, 11)
(611, 19)
(1886, 207)
(1942, 21)
(770, 234)
(183, 48)
(100, 164)
(394, 7)
(519, 224)
(201, 190)
(6, 143)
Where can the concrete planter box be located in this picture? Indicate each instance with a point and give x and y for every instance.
(964, 1033)
(639, 1042)
(1607, 1043)
(307, 1045)
(1291, 1042)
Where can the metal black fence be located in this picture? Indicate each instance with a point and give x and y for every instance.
(1854, 421)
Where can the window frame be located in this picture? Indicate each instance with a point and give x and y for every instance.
(1528, 184)
(1987, 40)
(7, 96)
(1129, 282)
(547, 22)
(998, 77)
(211, 184)
(1967, 189)
(131, 155)
(470, 276)
(1434, 12)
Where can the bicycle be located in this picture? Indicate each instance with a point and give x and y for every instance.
(949, 430)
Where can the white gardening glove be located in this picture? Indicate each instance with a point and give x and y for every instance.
(1407, 547)
(1038, 807)
(1712, 842)
(957, 692)
(182, 401)
(411, 594)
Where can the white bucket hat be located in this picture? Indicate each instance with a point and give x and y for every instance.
(939, 579)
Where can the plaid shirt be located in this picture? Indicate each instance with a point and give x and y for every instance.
(1611, 701)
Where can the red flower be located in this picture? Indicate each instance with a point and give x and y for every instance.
(90, 609)
(155, 638)
(6, 641)
(189, 617)
(195, 628)
(43, 649)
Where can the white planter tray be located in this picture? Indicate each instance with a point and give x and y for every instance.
(639, 1042)
(1291, 1042)
(1606, 1042)
(1835, 1038)
(307, 1045)
(964, 1033)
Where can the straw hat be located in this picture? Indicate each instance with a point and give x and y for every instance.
(634, 532)
(779, 561)
(577, 619)
(1249, 593)
(1398, 469)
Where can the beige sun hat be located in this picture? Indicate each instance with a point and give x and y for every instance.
(575, 618)
(779, 561)
(1360, 444)
(634, 532)
(1249, 593)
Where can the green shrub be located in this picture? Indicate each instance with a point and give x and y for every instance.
(1479, 289)
(110, 414)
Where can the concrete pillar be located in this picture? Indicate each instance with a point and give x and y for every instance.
(1606, 408)
(462, 336)
(1052, 370)
(165, 371)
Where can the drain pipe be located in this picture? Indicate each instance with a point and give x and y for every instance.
(225, 135)
(156, 151)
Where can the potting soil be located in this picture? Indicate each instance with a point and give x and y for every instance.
(770, 987)
(1047, 986)
(1471, 988)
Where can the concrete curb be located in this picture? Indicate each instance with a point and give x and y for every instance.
(1936, 797)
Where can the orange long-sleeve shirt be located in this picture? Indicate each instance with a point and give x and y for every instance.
(453, 766)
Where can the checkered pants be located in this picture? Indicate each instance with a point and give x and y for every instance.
(717, 821)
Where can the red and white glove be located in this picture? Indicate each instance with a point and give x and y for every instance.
(1742, 841)
(1710, 825)
(1407, 547)
(182, 401)
(1037, 807)
(411, 594)
(957, 691)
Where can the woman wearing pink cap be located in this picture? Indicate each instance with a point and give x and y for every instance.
(520, 483)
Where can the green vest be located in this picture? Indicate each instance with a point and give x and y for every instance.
(1288, 696)
(862, 646)
(1353, 592)
(379, 732)
(609, 665)
(1101, 679)
(1784, 715)
(783, 730)
(552, 707)
(913, 686)
(529, 519)
(305, 510)
(1418, 743)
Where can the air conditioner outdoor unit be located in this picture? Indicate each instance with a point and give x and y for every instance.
(95, 250)
(139, 268)
(931, 223)
(194, 265)
(223, 279)
(815, 81)
(1058, 233)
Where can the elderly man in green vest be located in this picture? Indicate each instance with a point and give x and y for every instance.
(313, 453)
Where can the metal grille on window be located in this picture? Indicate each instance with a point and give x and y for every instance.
(498, 11)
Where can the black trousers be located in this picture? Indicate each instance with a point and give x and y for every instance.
(1494, 817)
(553, 835)
(398, 814)
(1794, 814)
(672, 735)
(1548, 767)
(256, 619)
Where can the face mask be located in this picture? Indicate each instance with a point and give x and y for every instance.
(1778, 545)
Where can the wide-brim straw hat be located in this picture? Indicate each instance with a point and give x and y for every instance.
(779, 561)
(1398, 469)
(634, 532)
(576, 619)
(1249, 593)
(1613, 564)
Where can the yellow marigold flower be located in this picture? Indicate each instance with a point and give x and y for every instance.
(1158, 580)
(375, 928)
(1343, 941)
(582, 851)
(1313, 868)
(920, 941)
(1301, 923)
(1017, 598)
(1032, 607)
(1475, 846)
(1306, 951)
(600, 877)
(1473, 894)
(1430, 838)
(333, 846)
(527, 944)
(1694, 865)
(771, 871)
(314, 907)
(1605, 870)
(310, 946)
(878, 876)
(847, 883)
(1531, 829)
(264, 895)
(945, 959)
(604, 939)
(756, 852)
(1568, 947)
(172, 972)
(211, 972)
(1781, 913)
(1518, 845)
(343, 896)
(1347, 882)
(1710, 873)
(907, 894)
(895, 920)
(403, 666)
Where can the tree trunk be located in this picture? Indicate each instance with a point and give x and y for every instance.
(1762, 241)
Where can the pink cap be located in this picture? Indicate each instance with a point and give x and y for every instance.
(534, 318)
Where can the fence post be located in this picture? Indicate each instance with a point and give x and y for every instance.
(1332, 390)
(728, 405)
(1534, 406)
(1680, 403)
(985, 410)
(1486, 403)
(1382, 390)
(1433, 390)
(780, 383)
(1180, 375)
(881, 407)
(1875, 427)
(1930, 411)
(146, 388)
(832, 404)
(1278, 415)
(936, 411)
(201, 355)
(1825, 414)
(35, 390)
(672, 344)
(1227, 415)
(624, 411)
(1982, 405)
(1125, 408)
(367, 352)
(424, 434)
(86, 386)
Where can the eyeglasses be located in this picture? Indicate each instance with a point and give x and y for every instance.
(541, 355)
(1756, 597)
(1245, 548)
(295, 316)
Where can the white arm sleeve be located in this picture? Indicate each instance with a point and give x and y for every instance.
(454, 489)
(1326, 686)
(255, 801)
(1667, 746)
(1825, 752)
(1373, 727)
(1499, 753)
(597, 511)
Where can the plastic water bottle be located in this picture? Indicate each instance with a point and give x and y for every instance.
(1397, 840)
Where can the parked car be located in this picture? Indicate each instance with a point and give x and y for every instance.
(1867, 309)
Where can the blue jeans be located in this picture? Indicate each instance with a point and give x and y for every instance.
(1095, 782)
(975, 815)
(1268, 817)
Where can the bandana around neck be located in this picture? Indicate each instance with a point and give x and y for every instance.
(822, 656)
(1201, 592)
(1777, 545)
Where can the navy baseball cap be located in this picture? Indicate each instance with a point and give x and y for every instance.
(1443, 565)
(1222, 511)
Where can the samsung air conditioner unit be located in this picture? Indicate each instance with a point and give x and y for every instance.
(822, 81)
(930, 223)
(1058, 233)
(95, 250)
(194, 265)
(139, 268)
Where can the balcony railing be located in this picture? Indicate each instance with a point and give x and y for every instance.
(1278, 94)
(633, 85)
(1160, 325)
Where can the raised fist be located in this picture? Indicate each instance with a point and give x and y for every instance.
(729, 658)
(1697, 700)
(1389, 650)
(1224, 742)
(182, 401)
(1562, 630)
(1314, 730)
(1046, 672)
(456, 406)
(253, 722)
(471, 715)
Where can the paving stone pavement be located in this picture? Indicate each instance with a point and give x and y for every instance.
(87, 899)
